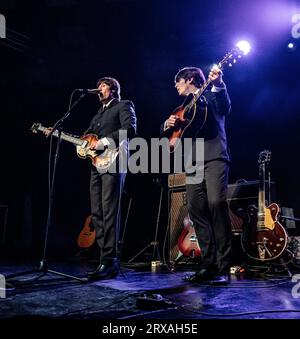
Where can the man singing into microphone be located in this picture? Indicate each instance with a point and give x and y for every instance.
(114, 124)
(115, 117)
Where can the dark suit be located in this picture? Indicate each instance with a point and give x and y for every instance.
(106, 188)
(207, 203)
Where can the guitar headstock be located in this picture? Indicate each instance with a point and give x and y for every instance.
(241, 48)
(35, 127)
(264, 157)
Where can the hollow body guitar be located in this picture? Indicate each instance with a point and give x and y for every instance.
(265, 238)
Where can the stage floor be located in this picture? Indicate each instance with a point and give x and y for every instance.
(249, 296)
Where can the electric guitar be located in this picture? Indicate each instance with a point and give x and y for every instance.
(266, 239)
(186, 112)
(87, 236)
(187, 241)
(101, 161)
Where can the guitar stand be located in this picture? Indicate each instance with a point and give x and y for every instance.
(173, 265)
(242, 269)
(43, 266)
(82, 252)
(286, 269)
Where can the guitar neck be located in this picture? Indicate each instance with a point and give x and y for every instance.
(198, 95)
(208, 81)
(64, 136)
(261, 193)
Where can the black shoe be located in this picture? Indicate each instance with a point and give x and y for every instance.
(199, 277)
(221, 279)
(107, 270)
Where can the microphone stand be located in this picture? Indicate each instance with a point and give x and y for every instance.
(43, 266)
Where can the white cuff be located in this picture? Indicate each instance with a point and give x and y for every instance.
(105, 141)
(217, 89)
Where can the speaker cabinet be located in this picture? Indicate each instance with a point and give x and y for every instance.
(239, 196)
(178, 211)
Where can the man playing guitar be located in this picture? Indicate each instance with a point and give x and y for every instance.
(207, 203)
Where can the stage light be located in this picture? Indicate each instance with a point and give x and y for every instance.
(291, 46)
(244, 46)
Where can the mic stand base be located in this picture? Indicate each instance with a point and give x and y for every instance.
(43, 270)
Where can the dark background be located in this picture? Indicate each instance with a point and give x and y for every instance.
(55, 46)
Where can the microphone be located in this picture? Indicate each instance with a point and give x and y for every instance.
(89, 91)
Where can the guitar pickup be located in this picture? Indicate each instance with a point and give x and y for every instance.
(85, 142)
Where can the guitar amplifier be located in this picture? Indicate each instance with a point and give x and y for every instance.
(176, 180)
(240, 195)
(293, 245)
(177, 212)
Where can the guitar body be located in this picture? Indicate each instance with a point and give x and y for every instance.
(187, 241)
(84, 151)
(265, 241)
(184, 119)
(101, 161)
(87, 236)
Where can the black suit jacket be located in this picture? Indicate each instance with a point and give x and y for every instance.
(118, 116)
(213, 131)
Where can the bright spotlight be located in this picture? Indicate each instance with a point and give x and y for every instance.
(291, 46)
(244, 46)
